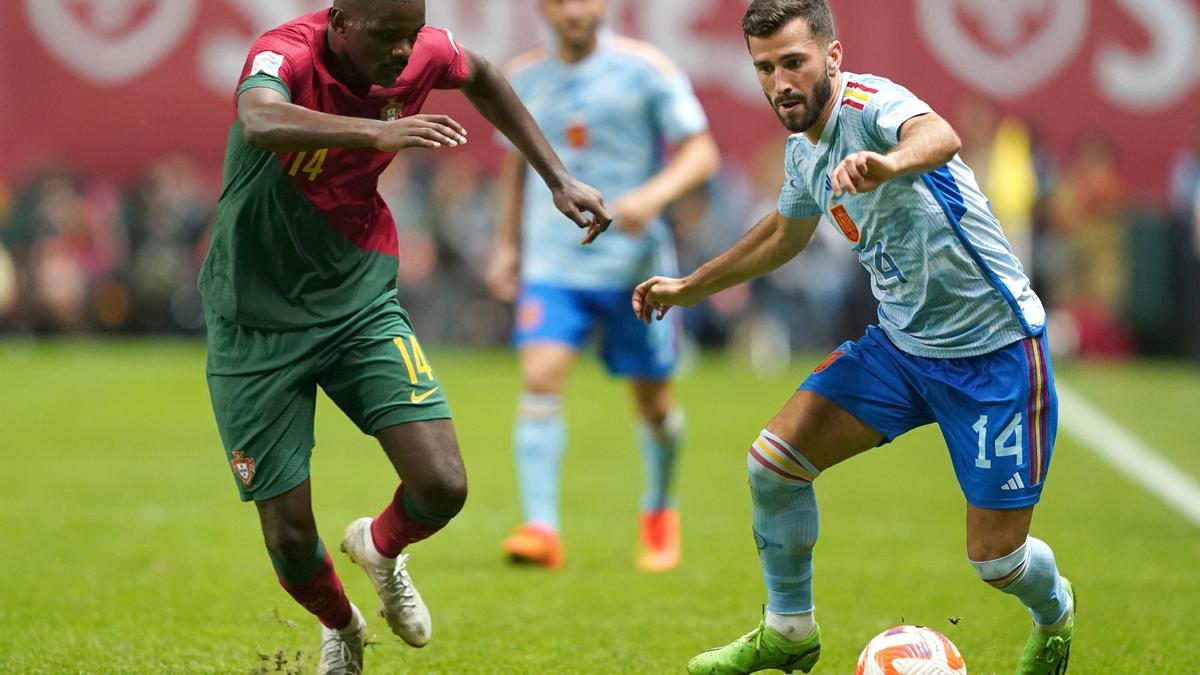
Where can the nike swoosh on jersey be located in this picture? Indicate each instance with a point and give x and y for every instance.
(415, 398)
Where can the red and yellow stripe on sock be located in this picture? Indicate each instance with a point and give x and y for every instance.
(775, 455)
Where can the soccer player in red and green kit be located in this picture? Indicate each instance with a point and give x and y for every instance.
(299, 290)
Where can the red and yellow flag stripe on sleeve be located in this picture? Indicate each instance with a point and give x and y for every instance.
(857, 95)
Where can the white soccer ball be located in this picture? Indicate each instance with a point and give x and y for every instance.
(910, 650)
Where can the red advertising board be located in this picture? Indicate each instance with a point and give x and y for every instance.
(107, 85)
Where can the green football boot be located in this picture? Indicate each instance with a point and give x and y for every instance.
(1047, 653)
(760, 649)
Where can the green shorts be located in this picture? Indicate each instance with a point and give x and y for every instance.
(263, 386)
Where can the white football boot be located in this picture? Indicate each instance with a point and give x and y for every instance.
(401, 604)
(342, 650)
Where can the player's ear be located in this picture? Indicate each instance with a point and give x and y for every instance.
(337, 19)
(833, 58)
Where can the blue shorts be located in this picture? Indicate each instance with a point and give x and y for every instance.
(998, 411)
(628, 347)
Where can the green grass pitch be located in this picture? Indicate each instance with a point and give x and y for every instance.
(125, 549)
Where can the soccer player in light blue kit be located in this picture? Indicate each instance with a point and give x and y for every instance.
(610, 106)
(960, 341)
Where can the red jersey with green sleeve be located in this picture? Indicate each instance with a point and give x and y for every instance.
(303, 238)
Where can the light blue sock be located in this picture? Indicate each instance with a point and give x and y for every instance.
(660, 447)
(540, 438)
(785, 522)
(1030, 574)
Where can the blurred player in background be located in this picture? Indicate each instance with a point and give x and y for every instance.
(299, 290)
(610, 106)
(961, 337)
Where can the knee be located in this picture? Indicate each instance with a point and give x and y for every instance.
(654, 404)
(451, 493)
(290, 540)
(443, 494)
(654, 413)
(992, 549)
(543, 379)
(540, 385)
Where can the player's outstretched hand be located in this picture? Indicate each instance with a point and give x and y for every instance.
(862, 172)
(504, 273)
(575, 199)
(654, 297)
(634, 211)
(421, 131)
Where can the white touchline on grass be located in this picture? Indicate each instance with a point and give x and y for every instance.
(1122, 449)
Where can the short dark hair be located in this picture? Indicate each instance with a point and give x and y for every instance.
(765, 17)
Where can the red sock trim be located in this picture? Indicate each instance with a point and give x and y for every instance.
(395, 527)
(323, 596)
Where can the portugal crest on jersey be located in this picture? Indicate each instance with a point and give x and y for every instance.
(392, 111)
(243, 467)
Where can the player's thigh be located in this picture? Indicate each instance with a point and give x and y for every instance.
(379, 375)
(860, 396)
(264, 416)
(998, 414)
(825, 433)
(545, 366)
(630, 347)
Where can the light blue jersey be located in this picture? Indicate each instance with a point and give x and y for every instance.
(946, 279)
(609, 117)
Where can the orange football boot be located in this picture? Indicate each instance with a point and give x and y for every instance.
(661, 546)
(534, 544)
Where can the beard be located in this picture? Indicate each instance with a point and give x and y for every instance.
(814, 104)
(579, 38)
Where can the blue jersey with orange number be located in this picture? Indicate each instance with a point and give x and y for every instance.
(610, 118)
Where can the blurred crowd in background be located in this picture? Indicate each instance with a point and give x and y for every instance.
(1120, 275)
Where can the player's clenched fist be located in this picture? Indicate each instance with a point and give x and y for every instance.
(420, 131)
(862, 172)
(653, 297)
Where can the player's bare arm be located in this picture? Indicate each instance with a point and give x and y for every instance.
(775, 240)
(694, 161)
(926, 143)
(269, 122)
(503, 275)
(494, 98)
